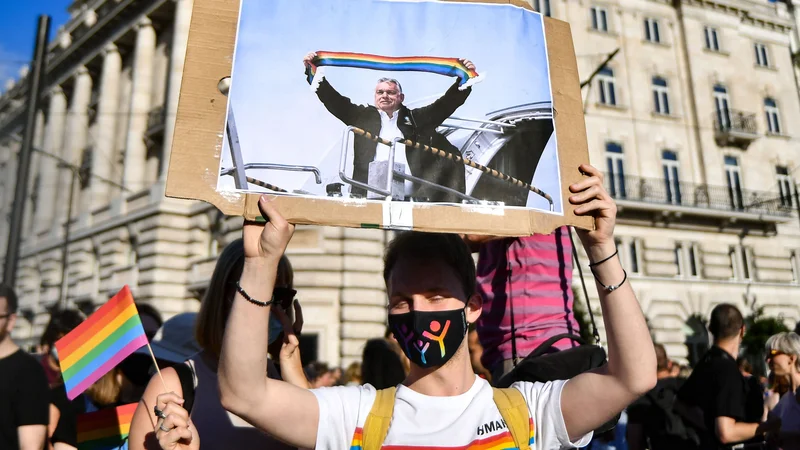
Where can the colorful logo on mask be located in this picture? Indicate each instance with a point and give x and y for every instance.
(436, 326)
(416, 330)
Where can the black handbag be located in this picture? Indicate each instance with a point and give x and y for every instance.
(546, 363)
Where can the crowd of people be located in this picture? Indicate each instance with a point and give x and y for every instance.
(231, 375)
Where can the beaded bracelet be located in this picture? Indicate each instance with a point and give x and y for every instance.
(251, 299)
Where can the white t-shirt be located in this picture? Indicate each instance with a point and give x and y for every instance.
(390, 131)
(469, 420)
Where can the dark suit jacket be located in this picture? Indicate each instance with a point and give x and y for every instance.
(418, 125)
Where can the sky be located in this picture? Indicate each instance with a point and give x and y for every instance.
(18, 19)
(281, 120)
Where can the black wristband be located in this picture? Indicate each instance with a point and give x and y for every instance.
(251, 299)
(612, 287)
(616, 252)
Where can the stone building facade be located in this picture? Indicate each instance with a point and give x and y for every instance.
(693, 121)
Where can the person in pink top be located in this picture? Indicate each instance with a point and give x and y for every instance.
(527, 279)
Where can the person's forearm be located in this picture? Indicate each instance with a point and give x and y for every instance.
(631, 358)
(737, 432)
(243, 363)
(292, 373)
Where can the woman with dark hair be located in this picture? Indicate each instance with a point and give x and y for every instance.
(218, 428)
(381, 366)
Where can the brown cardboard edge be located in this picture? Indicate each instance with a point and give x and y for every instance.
(198, 140)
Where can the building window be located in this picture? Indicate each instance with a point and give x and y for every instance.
(747, 263)
(672, 183)
(722, 107)
(741, 262)
(785, 183)
(693, 256)
(773, 116)
(793, 263)
(660, 96)
(633, 254)
(712, 38)
(615, 164)
(542, 6)
(629, 254)
(687, 259)
(599, 19)
(734, 182)
(606, 86)
(651, 33)
(762, 55)
(679, 259)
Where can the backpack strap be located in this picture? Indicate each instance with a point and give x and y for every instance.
(186, 377)
(377, 424)
(514, 410)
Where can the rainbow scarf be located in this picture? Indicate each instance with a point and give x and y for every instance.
(105, 429)
(450, 67)
(101, 342)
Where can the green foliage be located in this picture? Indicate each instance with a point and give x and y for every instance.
(758, 329)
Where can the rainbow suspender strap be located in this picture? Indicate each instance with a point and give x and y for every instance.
(450, 67)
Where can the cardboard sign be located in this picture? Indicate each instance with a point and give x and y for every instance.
(437, 116)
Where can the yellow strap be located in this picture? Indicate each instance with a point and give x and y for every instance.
(380, 417)
(514, 410)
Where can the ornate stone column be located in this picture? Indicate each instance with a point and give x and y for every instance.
(103, 158)
(135, 148)
(75, 136)
(49, 171)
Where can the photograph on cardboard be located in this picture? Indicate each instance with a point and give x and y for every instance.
(457, 96)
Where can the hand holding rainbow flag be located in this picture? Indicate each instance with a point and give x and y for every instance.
(101, 342)
(452, 67)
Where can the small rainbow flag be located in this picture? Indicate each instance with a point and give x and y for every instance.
(451, 67)
(100, 343)
(105, 429)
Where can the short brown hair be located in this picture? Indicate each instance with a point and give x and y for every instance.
(216, 305)
(726, 321)
(446, 248)
(8, 293)
(662, 361)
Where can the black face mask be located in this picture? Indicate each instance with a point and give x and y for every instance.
(429, 338)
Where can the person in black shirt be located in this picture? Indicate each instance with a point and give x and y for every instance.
(24, 399)
(652, 422)
(714, 398)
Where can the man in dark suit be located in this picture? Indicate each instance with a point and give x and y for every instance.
(390, 119)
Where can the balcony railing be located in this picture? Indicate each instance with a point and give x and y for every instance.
(683, 194)
(737, 128)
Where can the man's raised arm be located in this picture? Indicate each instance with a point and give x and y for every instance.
(592, 398)
(337, 104)
(437, 112)
(284, 411)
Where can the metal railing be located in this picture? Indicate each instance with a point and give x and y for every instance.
(721, 198)
(731, 120)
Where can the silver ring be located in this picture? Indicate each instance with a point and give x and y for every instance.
(166, 430)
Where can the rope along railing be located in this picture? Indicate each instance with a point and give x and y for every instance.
(457, 159)
(263, 184)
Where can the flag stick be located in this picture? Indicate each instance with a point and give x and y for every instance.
(152, 355)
